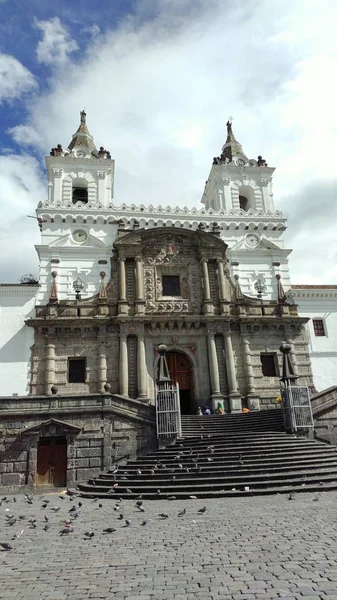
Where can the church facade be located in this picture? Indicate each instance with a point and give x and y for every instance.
(117, 281)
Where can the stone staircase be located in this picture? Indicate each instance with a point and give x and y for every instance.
(224, 455)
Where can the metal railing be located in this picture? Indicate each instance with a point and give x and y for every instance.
(168, 416)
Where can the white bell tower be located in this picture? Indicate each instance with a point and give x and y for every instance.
(241, 190)
(77, 228)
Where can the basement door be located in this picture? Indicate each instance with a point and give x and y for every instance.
(181, 371)
(51, 468)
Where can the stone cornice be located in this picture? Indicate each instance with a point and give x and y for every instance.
(315, 291)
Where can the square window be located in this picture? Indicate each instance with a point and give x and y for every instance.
(269, 365)
(76, 370)
(319, 329)
(171, 285)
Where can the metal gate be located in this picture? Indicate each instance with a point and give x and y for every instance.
(297, 408)
(168, 411)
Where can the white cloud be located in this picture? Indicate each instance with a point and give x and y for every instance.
(159, 89)
(21, 189)
(15, 79)
(56, 44)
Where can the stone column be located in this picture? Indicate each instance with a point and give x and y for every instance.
(213, 366)
(234, 396)
(141, 368)
(140, 303)
(252, 397)
(208, 306)
(123, 366)
(49, 368)
(102, 368)
(122, 302)
(223, 291)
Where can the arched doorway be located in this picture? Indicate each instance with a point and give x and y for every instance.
(181, 371)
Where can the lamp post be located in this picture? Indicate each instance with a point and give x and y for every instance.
(260, 288)
(78, 287)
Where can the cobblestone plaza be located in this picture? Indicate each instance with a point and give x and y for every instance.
(238, 549)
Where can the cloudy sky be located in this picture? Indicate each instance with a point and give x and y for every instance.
(159, 79)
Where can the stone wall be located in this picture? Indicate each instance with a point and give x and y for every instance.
(99, 429)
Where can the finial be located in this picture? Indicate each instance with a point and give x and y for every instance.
(83, 117)
(229, 126)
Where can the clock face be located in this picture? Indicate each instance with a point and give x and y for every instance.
(80, 154)
(80, 236)
(252, 240)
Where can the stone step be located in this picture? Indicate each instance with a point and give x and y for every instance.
(270, 463)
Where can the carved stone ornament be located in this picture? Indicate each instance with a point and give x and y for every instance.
(57, 172)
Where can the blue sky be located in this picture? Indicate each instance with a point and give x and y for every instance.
(159, 79)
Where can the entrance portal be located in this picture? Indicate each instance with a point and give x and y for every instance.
(181, 371)
(52, 462)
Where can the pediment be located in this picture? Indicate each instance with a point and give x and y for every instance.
(252, 242)
(160, 236)
(53, 427)
(66, 241)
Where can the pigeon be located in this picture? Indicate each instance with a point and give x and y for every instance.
(46, 527)
(55, 508)
(80, 504)
(6, 546)
(70, 492)
(141, 508)
(163, 515)
(127, 522)
(32, 522)
(66, 530)
(89, 534)
(45, 501)
(117, 507)
(22, 517)
(73, 509)
(172, 497)
(182, 512)
(317, 497)
(111, 491)
(109, 530)
(120, 517)
(202, 510)
(100, 506)
(128, 491)
(46, 518)
(144, 522)
(139, 503)
(291, 496)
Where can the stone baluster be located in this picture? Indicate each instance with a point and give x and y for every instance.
(49, 367)
(213, 370)
(141, 368)
(234, 396)
(123, 366)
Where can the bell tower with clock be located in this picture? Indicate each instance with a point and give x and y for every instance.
(77, 227)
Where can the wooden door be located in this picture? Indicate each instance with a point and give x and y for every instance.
(52, 462)
(180, 370)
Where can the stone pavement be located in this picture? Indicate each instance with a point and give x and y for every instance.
(240, 549)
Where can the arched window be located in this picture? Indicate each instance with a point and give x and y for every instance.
(246, 197)
(80, 191)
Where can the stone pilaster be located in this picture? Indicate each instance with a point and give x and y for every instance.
(234, 396)
(49, 367)
(208, 305)
(141, 368)
(123, 366)
(216, 395)
(252, 397)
